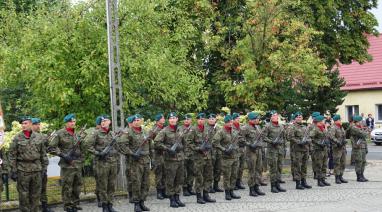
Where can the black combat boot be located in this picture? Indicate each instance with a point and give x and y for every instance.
(186, 193)
(131, 197)
(199, 199)
(160, 194)
(303, 183)
(262, 183)
(216, 187)
(315, 176)
(342, 179)
(233, 195)
(258, 191)
(110, 207)
(207, 198)
(273, 188)
(189, 188)
(173, 203)
(319, 183)
(252, 191)
(239, 185)
(360, 178)
(281, 181)
(211, 189)
(299, 186)
(325, 183)
(143, 206)
(364, 178)
(338, 181)
(177, 200)
(104, 207)
(164, 194)
(99, 203)
(45, 208)
(279, 187)
(137, 207)
(227, 195)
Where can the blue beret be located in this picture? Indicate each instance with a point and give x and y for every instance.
(319, 118)
(253, 115)
(211, 115)
(235, 115)
(298, 113)
(69, 117)
(138, 116)
(292, 116)
(158, 116)
(314, 114)
(273, 112)
(336, 117)
(98, 120)
(171, 114)
(227, 118)
(187, 116)
(25, 118)
(130, 119)
(357, 118)
(36, 120)
(201, 116)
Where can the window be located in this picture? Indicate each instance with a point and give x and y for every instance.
(352, 110)
(379, 112)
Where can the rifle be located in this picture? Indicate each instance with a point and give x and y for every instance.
(108, 148)
(177, 143)
(305, 137)
(72, 152)
(232, 146)
(277, 139)
(145, 140)
(206, 145)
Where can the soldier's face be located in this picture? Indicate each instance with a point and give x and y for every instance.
(26, 125)
(236, 120)
(275, 118)
(36, 127)
(187, 122)
(201, 121)
(298, 119)
(106, 123)
(173, 121)
(71, 124)
(137, 122)
(211, 121)
(228, 124)
(162, 121)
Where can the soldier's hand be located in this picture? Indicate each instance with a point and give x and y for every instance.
(14, 176)
(253, 146)
(100, 154)
(5, 178)
(171, 152)
(135, 156)
(227, 151)
(44, 172)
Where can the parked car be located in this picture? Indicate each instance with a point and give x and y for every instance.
(376, 136)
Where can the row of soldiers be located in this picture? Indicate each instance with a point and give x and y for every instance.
(189, 158)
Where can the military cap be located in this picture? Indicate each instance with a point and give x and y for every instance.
(319, 118)
(187, 116)
(273, 112)
(105, 117)
(292, 116)
(158, 116)
(227, 118)
(130, 119)
(138, 116)
(98, 120)
(211, 115)
(298, 113)
(336, 117)
(357, 118)
(253, 115)
(25, 118)
(69, 117)
(201, 116)
(235, 115)
(172, 114)
(314, 114)
(36, 120)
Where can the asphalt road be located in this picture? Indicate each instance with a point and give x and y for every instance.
(375, 152)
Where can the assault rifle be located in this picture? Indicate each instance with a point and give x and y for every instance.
(206, 146)
(138, 152)
(178, 141)
(109, 147)
(305, 137)
(257, 140)
(72, 155)
(277, 139)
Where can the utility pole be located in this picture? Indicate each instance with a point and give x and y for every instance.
(115, 79)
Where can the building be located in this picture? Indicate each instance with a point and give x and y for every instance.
(364, 85)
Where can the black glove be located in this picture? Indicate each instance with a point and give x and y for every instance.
(5, 178)
(67, 158)
(171, 152)
(228, 151)
(179, 148)
(208, 147)
(100, 154)
(14, 176)
(253, 146)
(44, 172)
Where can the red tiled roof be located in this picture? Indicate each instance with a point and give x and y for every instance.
(367, 75)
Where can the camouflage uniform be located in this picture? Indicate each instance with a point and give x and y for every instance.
(27, 157)
(44, 183)
(275, 152)
(216, 163)
(158, 163)
(359, 147)
(128, 144)
(3, 171)
(253, 139)
(338, 139)
(71, 168)
(106, 165)
(241, 158)
(189, 175)
(320, 152)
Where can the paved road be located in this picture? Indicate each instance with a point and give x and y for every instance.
(346, 197)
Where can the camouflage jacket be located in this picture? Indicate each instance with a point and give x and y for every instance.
(131, 141)
(153, 133)
(358, 137)
(188, 152)
(271, 132)
(46, 145)
(252, 135)
(27, 154)
(166, 138)
(195, 140)
(213, 129)
(4, 163)
(223, 139)
(99, 140)
(318, 138)
(337, 137)
(296, 133)
(63, 143)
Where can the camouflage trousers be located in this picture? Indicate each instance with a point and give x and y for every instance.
(241, 165)
(189, 174)
(71, 179)
(275, 160)
(44, 184)
(254, 163)
(217, 166)
(300, 164)
(128, 175)
(96, 178)
(265, 162)
(360, 160)
(107, 172)
(292, 159)
(159, 172)
(229, 169)
(29, 189)
(320, 163)
(203, 174)
(339, 158)
(140, 180)
(174, 172)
